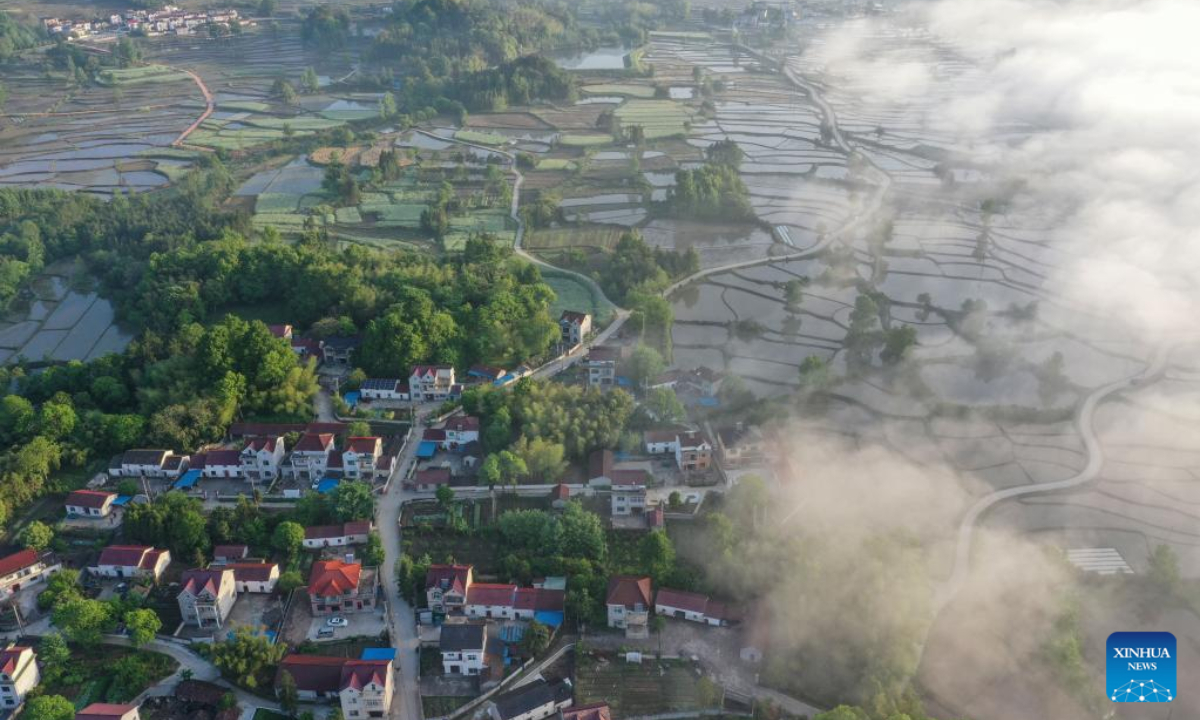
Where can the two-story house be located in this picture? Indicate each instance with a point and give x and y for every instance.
(739, 446)
(383, 389)
(629, 491)
(25, 568)
(446, 587)
(460, 430)
(90, 503)
(601, 365)
(339, 349)
(574, 327)
(207, 596)
(509, 602)
(309, 458)
(366, 689)
(660, 442)
(18, 675)
(694, 451)
(431, 383)
(336, 587)
(323, 536)
(360, 459)
(629, 603)
(463, 648)
(533, 701)
(131, 561)
(261, 458)
(254, 577)
(218, 463)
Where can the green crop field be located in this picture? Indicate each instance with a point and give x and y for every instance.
(142, 74)
(270, 203)
(555, 164)
(632, 689)
(297, 123)
(625, 89)
(584, 140)
(245, 106)
(574, 294)
(659, 118)
(480, 138)
(594, 237)
(348, 216)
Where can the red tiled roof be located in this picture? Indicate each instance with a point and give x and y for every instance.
(560, 492)
(231, 552)
(573, 317)
(89, 498)
(491, 594)
(10, 657)
(277, 429)
(630, 477)
(434, 435)
(600, 464)
(689, 601)
(693, 438)
(539, 599)
(660, 436)
(432, 476)
(335, 461)
(324, 532)
(628, 591)
(463, 423)
(281, 331)
(314, 442)
(104, 711)
(262, 443)
(330, 578)
(150, 559)
(361, 445)
(124, 555)
(197, 581)
(314, 673)
(357, 527)
(359, 673)
(595, 711)
(223, 458)
(657, 517)
(428, 370)
(252, 572)
(455, 577)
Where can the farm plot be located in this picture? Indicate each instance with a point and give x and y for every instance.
(658, 118)
(573, 294)
(143, 74)
(622, 89)
(633, 689)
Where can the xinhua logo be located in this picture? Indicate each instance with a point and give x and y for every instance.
(1141, 667)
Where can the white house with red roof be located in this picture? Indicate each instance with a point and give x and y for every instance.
(224, 554)
(18, 675)
(629, 491)
(218, 463)
(383, 389)
(446, 587)
(309, 459)
(207, 596)
(691, 606)
(629, 603)
(323, 536)
(25, 568)
(360, 458)
(108, 711)
(429, 479)
(509, 602)
(131, 561)
(460, 430)
(282, 331)
(261, 458)
(432, 383)
(254, 577)
(574, 327)
(90, 503)
(366, 688)
(335, 586)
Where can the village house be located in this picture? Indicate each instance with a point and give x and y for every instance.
(429, 479)
(700, 381)
(18, 675)
(261, 458)
(629, 603)
(463, 648)
(383, 389)
(224, 554)
(446, 587)
(339, 350)
(600, 468)
(694, 451)
(432, 383)
(90, 503)
(574, 327)
(335, 586)
(592, 711)
(317, 677)
(147, 463)
(131, 561)
(691, 606)
(323, 536)
(309, 458)
(560, 495)
(509, 602)
(660, 442)
(108, 711)
(25, 568)
(629, 491)
(485, 374)
(460, 430)
(360, 459)
(533, 701)
(218, 463)
(207, 596)
(282, 331)
(254, 577)
(739, 446)
(366, 689)
(601, 366)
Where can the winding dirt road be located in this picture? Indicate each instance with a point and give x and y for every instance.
(209, 106)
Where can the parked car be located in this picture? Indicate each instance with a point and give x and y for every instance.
(337, 622)
(324, 633)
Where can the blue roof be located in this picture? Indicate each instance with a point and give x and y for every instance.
(708, 402)
(624, 381)
(327, 485)
(426, 449)
(190, 478)
(378, 654)
(553, 618)
(351, 398)
(509, 377)
(122, 500)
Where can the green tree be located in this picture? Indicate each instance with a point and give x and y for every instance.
(83, 621)
(353, 500)
(445, 496)
(373, 553)
(657, 555)
(284, 91)
(664, 405)
(290, 580)
(896, 344)
(543, 459)
(814, 373)
(387, 106)
(142, 625)
(289, 696)
(843, 712)
(53, 656)
(536, 639)
(49, 707)
(645, 364)
(246, 658)
(130, 675)
(582, 534)
(62, 587)
(288, 538)
(489, 471)
(309, 81)
(37, 535)
(358, 428)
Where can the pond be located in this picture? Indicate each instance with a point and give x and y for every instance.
(602, 58)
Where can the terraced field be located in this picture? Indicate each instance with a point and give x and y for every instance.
(631, 689)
